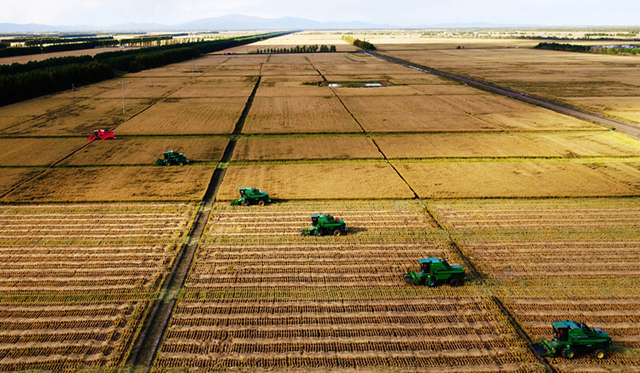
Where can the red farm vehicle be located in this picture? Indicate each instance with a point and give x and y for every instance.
(102, 135)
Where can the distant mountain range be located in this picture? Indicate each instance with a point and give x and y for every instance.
(230, 22)
(224, 23)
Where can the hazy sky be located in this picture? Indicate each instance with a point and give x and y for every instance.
(393, 12)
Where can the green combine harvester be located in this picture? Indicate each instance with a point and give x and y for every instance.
(322, 224)
(435, 271)
(251, 196)
(172, 158)
(571, 337)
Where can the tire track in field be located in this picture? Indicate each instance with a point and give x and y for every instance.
(154, 328)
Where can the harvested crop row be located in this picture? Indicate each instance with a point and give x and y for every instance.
(618, 317)
(556, 259)
(58, 338)
(397, 332)
(102, 223)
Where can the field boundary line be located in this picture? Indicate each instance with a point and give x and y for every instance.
(623, 126)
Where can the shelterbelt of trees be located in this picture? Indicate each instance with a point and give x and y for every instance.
(20, 82)
(590, 48)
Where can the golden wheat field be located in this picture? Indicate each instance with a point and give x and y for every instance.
(604, 83)
(540, 209)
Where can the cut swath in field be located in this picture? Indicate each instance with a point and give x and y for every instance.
(38, 225)
(390, 335)
(192, 116)
(542, 214)
(508, 179)
(298, 115)
(368, 221)
(107, 184)
(317, 181)
(37, 152)
(619, 317)
(556, 260)
(61, 337)
(311, 147)
(146, 151)
(88, 115)
(61, 271)
(301, 267)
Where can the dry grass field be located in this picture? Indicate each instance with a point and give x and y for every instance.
(603, 83)
(307, 114)
(310, 147)
(87, 115)
(461, 145)
(143, 151)
(317, 181)
(509, 179)
(189, 116)
(37, 152)
(108, 184)
(12, 177)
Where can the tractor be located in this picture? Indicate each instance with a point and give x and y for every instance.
(251, 196)
(571, 337)
(322, 224)
(172, 158)
(102, 135)
(435, 271)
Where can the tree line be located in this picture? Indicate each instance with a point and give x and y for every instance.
(26, 51)
(588, 48)
(299, 49)
(363, 44)
(20, 82)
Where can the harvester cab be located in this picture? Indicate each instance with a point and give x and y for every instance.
(172, 158)
(571, 337)
(322, 224)
(251, 196)
(102, 135)
(435, 271)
